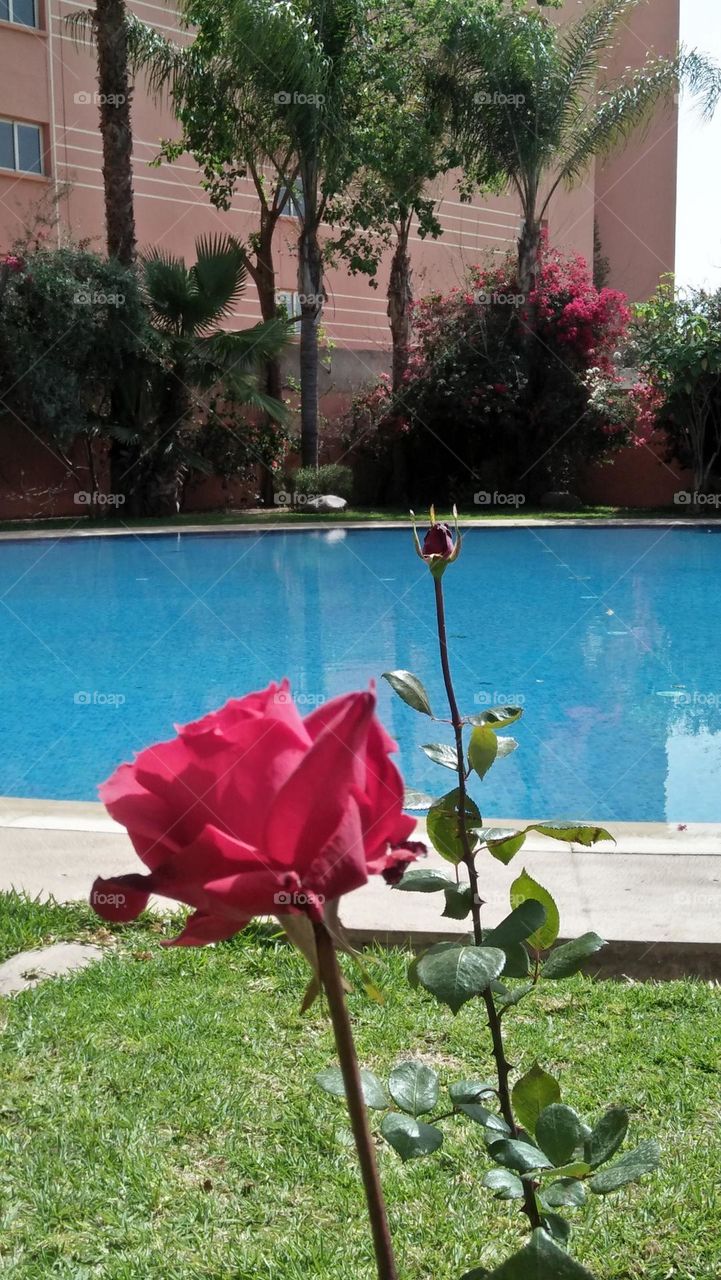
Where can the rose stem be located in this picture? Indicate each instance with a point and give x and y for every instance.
(333, 983)
(494, 1022)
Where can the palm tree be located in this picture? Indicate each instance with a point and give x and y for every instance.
(530, 99)
(187, 306)
(106, 24)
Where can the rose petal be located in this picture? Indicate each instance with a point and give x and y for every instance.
(201, 928)
(309, 808)
(121, 898)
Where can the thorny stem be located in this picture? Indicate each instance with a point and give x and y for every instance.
(332, 980)
(503, 1067)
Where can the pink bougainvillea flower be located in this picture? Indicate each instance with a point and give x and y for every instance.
(255, 810)
(439, 546)
(11, 262)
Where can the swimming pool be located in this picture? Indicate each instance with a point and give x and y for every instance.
(609, 638)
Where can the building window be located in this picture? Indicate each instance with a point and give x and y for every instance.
(293, 201)
(289, 300)
(24, 12)
(20, 147)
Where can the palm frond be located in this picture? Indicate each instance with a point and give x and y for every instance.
(581, 45)
(81, 25)
(218, 277)
(628, 106)
(168, 289)
(162, 62)
(245, 350)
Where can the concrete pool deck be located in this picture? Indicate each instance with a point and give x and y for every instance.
(654, 895)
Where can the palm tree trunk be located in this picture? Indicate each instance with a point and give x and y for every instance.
(400, 302)
(115, 129)
(529, 253)
(310, 288)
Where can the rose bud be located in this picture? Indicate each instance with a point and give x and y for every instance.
(439, 547)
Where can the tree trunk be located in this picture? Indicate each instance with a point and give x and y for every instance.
(400, 301)
(115, 129)
(310, 289)
(164, 471)
(529, 251)
(263, 272)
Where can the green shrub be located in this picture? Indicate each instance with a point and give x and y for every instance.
(331, 478)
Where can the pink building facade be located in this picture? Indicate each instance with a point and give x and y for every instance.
(50, 156)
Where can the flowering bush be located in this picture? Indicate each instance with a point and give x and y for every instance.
(676, 342)
(506, 389)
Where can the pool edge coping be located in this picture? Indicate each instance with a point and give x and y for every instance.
(90, 816)
(314, 526)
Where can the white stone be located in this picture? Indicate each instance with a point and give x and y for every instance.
(28, 968)
(326, 502)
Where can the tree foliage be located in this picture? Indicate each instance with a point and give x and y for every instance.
(676, 341)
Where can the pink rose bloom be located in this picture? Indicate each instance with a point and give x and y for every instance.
(254, 810)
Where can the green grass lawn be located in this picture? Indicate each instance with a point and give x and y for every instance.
(158, 1119)
(278, 515)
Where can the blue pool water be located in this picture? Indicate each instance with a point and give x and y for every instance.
(608, 637)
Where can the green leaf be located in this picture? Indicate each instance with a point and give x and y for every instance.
(518, 925)
(557, 1227)
(645, 1159)
(606, 1136)
(566, 1193)
(478, 1273)
(497, 717)
(577, 1169)
(374, 1094)
(413, 1087)
(504, 1183)
(526, 887)
(409, 689)
(409, 1137)
(443, 825)
(424, 880)
(417, 800)
(508, 998)
(482, 749)
(489, 1120)
(440, 753)
(518, 961)
(454, 973)
(532, 1093)
(568, 958)
(541, 1260)
(470, 1090)
(459, 900)
(506, 746)
(518, 1155)
(558, 1132)
(505, 848)
(572, 832)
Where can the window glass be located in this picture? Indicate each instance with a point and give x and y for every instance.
(23, 12)
(7, 153)
(5, 10)
(29, 148)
